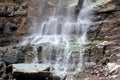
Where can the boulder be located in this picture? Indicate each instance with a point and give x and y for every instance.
(31, 71)
(9, 59)
(30, 68)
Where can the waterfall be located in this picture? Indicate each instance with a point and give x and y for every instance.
(60, 32)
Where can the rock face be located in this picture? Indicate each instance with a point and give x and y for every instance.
(16, 14)
(105, 39)
(105, 5)
(103, 51)
(12, 20)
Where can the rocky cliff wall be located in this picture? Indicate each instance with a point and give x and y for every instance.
(102, 58)
(13, 15)
(104, 35)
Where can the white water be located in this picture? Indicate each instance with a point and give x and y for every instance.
(58, 30)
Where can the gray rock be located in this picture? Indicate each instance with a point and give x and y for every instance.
(31, 71)
(9, 59)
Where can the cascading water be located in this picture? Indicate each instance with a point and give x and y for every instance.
(61, 32)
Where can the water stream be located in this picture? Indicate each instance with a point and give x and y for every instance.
(63, 36)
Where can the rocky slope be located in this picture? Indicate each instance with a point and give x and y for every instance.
(105, 40)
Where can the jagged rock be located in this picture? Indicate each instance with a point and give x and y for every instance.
(24, 5)
(28, 53)
(6, 10)
(105, 5)
(20, 12)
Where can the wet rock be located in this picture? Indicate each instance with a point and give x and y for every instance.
(40, 48)
(39, 51)
(9, 59)
(31, 71)
(79, 6)
(20, 54)
(64, 3)
(28, 54)
(57, 76)
(30, 68)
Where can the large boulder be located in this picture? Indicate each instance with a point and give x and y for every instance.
(31, 71)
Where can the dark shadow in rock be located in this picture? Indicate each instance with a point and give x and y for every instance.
(1, 27)
(13, 29)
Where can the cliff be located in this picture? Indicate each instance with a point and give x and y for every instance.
(105, 40)
(13, 22)
(102, 53)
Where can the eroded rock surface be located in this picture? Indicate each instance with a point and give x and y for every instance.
(12, 21)
(104, 34)
(101, 54)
